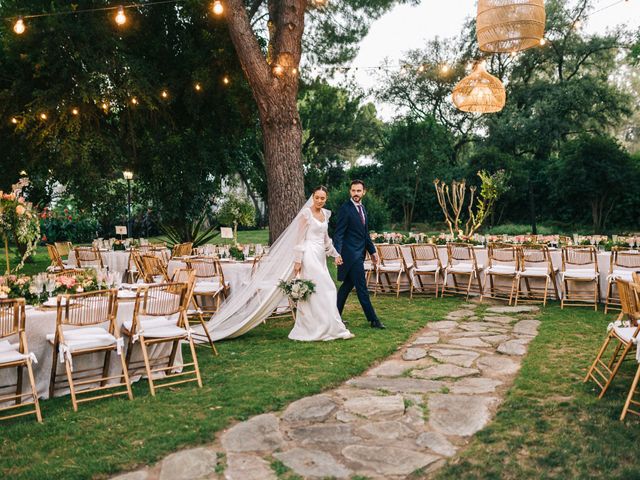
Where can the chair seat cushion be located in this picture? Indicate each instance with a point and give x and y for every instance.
(625, 333)
(202, 288)
(626, 275)
(534, 272)
(167, 331)
(148, 321)
(502, 269)
(580, 273)
(463, 268)
(391, 267)
(426, 268)
(10, 352)
(83, 338)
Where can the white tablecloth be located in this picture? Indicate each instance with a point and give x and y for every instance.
(39, 323)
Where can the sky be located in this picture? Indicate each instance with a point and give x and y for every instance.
(409, 27)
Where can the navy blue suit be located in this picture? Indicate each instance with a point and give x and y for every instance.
(351, 240)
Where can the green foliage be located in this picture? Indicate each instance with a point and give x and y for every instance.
(237, 210)
(199, 232)
(62, 224)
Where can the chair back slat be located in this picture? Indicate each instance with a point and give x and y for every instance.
(628, 299)
(84, 309)
(11, 317)
(163, 300)
(534, 256)
(153, 267)
(182, 249)
(205, 268)
(54, 256)
(63, 248)
(579, 256)
(425, 254)
(625, 258)
(88, 257)
(502, 253)
(460, 253)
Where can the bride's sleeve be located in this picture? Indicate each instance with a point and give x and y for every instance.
(328, 243)
(303, 224)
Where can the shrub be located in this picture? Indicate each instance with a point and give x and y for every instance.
(377, 210)
(60, 225)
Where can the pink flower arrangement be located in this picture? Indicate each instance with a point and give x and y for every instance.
(66, 282)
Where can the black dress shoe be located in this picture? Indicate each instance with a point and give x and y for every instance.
(378, 324)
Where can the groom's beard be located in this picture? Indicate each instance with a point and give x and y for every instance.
(356, 198)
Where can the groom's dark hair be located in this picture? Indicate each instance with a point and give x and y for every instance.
(358, 182)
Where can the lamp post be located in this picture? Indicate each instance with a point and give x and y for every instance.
(128, 176)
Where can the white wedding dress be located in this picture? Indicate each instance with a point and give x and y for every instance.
(250, 305)
(317, 318)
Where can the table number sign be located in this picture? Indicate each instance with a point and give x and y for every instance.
(226, 232)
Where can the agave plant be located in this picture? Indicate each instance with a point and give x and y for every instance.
(199, 231)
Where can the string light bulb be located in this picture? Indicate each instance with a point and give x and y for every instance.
(444, 68)
(198, 87)
(294, 70)
(164, 94)
(543, 42)
(134, 101)
(226, 80)
(14, 120)
(217, 8)
(19, 26)
(75, 111)
(43, 116)
(421, 68)
(121, 18)
(105, 106)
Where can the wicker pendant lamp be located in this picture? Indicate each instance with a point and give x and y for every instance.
(509, 25)
(479, 92)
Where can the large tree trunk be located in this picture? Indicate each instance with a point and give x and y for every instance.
(274, 83)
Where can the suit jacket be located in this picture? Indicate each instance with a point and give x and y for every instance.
(351, 238)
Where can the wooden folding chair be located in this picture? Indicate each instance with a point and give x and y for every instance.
(153, 268)
(622, 334)
(16, 355)
(390, 262)
(182, 249)
(194, 313)
(426, 263)
(535, 264)
(159, 317)
(623, 263)
(88, 257)
(57, 265)
(580, 267)
(209, 289)
(462, 262)
(501, 271)
(64, 248)
(86, 325)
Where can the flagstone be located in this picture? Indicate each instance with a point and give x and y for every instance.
(313, 463)
(461, 415)
(388, 460)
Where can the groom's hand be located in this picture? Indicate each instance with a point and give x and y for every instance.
(374, 259)
(338, 260)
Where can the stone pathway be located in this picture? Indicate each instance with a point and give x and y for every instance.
(411, 412)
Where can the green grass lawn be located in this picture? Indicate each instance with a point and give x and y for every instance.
(259, 372)
(552, 425)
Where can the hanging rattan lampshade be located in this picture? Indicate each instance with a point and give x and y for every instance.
(479, 92)
(509, 25)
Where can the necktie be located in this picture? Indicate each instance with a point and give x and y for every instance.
(361, 212)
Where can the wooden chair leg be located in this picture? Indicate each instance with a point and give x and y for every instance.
(480, 285)
(72, 387)
(105, 367)
(615, 370)
(19, 385)
(54, 368)
(206, 332)
(632, 390)
(609, 291)
(546, 289)
(195, 361)
(147, 366)
(593, 366)
(125, 377)
(469, 286)
(34, 391)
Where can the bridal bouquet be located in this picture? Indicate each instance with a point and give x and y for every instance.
(297, 289)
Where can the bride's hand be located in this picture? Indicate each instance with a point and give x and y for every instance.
(297, 267)
(338, 260)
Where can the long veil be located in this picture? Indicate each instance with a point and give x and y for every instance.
(251, 304)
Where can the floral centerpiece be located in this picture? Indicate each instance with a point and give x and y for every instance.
(18, 221)
(236, 252)
(38, 288)
(118, 245)
(297, 289)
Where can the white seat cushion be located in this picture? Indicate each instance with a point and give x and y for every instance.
(164, 332)
(207, 288)
(580, 273)
(426, 268)
(391, 267)
(626, 275)
(463, 268)
(83, 338)
(534, 272)
(10, 352)
(625, 333)
(502, 269)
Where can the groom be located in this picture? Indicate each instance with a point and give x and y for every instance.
(351, 239)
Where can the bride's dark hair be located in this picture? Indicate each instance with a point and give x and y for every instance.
(320, 187)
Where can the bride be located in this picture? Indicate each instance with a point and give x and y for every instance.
(318, 317)
(300, 250)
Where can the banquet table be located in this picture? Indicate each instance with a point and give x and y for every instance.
(42, 321)
(114, 260)
(604, 258)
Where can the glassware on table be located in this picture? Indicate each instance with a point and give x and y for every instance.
(50, 285)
